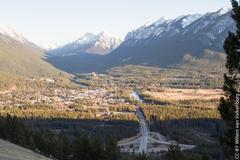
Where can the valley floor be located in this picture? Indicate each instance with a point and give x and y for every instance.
(176, 107)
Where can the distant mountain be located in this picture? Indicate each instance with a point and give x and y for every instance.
(161, 28)
(163, 43)
(19, 56)
(48, 47)
(167, 41)
(100, 44)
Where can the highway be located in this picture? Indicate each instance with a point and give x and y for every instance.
(143, 142)
(143, 131)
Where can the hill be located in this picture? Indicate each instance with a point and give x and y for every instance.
(210, 62)
(18, 56)
(9, 151)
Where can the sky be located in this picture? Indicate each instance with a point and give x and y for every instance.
(47, 22)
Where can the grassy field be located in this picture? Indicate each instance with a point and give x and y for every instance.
(9, 151)
(186, 94)
(188, 98)
(189, 116)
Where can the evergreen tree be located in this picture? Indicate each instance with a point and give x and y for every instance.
(174, 152)
(231, 86)
(32, 145)
(39, 141)
(141, 157)
(205, 157)
(81, 148)
(112, 151)
(97, 150)
(63, 147)
(50, 142)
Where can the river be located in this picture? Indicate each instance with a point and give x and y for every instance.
(135, 96)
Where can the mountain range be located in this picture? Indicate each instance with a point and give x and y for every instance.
(162, 43)
(167, 41)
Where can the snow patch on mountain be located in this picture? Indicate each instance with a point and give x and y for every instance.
(48, 47)
(7, 33)
(100, 44)
(208, 25)
(160, 28)
(187, 20)
(87, 38)
(223, 11)
(146, 31)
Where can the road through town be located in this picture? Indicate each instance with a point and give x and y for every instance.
(143, 142)
(143, 131)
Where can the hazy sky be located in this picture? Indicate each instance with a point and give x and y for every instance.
(60, 21)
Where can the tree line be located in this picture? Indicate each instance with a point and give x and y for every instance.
(77, 147)
(57, 146)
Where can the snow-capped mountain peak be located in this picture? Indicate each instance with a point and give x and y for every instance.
(186, 20)
(223, 11)
(7, 32)
(160, 28)
(104, 43)
(161, 21)
(86, 38)
(146, 31)
(105, 34)
(163, 28)
(100, 44)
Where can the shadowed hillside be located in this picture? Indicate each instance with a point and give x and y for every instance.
(18, 56)
(9, 151)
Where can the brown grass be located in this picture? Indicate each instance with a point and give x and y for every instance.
(9, 151)
(186, 94)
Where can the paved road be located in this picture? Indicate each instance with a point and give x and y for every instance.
(145, 134)
(143, 125)
(143, 131)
